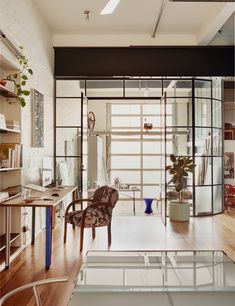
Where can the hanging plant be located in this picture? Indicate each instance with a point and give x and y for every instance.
(20, 78)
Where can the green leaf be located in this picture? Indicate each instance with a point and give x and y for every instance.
(172, 158)
(24, 77)
(26, 92)
(22, 102)
(21, 47)
(23, 83)
(30, 71)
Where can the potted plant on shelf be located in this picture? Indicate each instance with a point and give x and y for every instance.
(179, 210)
(19, 79)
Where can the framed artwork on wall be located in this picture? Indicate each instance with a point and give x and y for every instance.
(37, 119)
(229, 165)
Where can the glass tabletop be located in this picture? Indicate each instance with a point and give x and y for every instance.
(158, 271)
(178, 270)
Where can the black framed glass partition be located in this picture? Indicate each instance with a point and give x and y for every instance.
(70, 121)
(187, 117)
(196, 131)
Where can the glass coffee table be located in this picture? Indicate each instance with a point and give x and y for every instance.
(172, 278)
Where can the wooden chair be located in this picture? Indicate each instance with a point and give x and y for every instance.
(98, 213)
(229, 196)
(34, 286)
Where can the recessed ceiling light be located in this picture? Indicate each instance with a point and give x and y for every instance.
(109, 7)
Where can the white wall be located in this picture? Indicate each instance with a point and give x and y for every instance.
(22, 23)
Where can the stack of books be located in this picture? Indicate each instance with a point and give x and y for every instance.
(10, 155)
(13, 124)
(13, 190)
(3, 196)
(2, 121)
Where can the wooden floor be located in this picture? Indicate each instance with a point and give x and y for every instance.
(128, 233)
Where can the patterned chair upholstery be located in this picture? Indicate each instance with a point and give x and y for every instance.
(98, 212)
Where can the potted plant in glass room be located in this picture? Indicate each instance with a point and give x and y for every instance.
(179, 210)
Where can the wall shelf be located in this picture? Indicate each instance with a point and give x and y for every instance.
(6, 93)
(14, 236)
(6, 130)
(9, 169)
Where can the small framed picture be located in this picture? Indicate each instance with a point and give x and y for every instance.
(37, 119)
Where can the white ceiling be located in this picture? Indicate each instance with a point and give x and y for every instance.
(137, 17)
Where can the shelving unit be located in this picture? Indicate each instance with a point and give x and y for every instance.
(7, 93)
(10, 176)
(9, 169)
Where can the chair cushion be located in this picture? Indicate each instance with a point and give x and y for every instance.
(74, 217)
(94, 217)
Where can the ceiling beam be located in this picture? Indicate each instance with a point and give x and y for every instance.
(206, 34)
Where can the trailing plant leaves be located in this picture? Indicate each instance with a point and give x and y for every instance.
(30, 71)
(23, 83)
(24, 77)
(26, 92)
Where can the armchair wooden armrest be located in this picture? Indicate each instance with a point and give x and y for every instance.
(77, 201)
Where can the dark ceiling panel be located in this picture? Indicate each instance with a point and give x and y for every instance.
(144, 61)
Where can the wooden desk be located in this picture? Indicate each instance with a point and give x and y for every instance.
(51, 202)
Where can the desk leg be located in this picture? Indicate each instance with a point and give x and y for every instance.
(48, 237)
(134, 202)
(33, 226)
(8, 237)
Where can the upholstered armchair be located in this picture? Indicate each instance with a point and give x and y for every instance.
(97, 213)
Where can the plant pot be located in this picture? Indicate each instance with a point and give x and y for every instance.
(179, 211)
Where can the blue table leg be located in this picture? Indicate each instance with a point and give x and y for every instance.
(33, 225)
(48, 237)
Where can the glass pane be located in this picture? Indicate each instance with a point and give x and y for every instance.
(151, 147)
(125, 109)
(178, 88)
(119, 147)
(151, 177)
(125, 134)
(151, 162)
(217, 142)
(128, 162)
(151, 109)
(68, 170)
(126, 177)
(218, 198)
(216, 88)
(156, 121)
(181, 110)
(67, 142)
(202, 112)
(104, 88)
(203, 170)
(217, 114)
(202, 88)
(203, 200)
(69, 88)
(151, 192)
(125, 121)
(217, 170)
(203, 141)
(181, 141)
(68, 112)
(143, 88)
